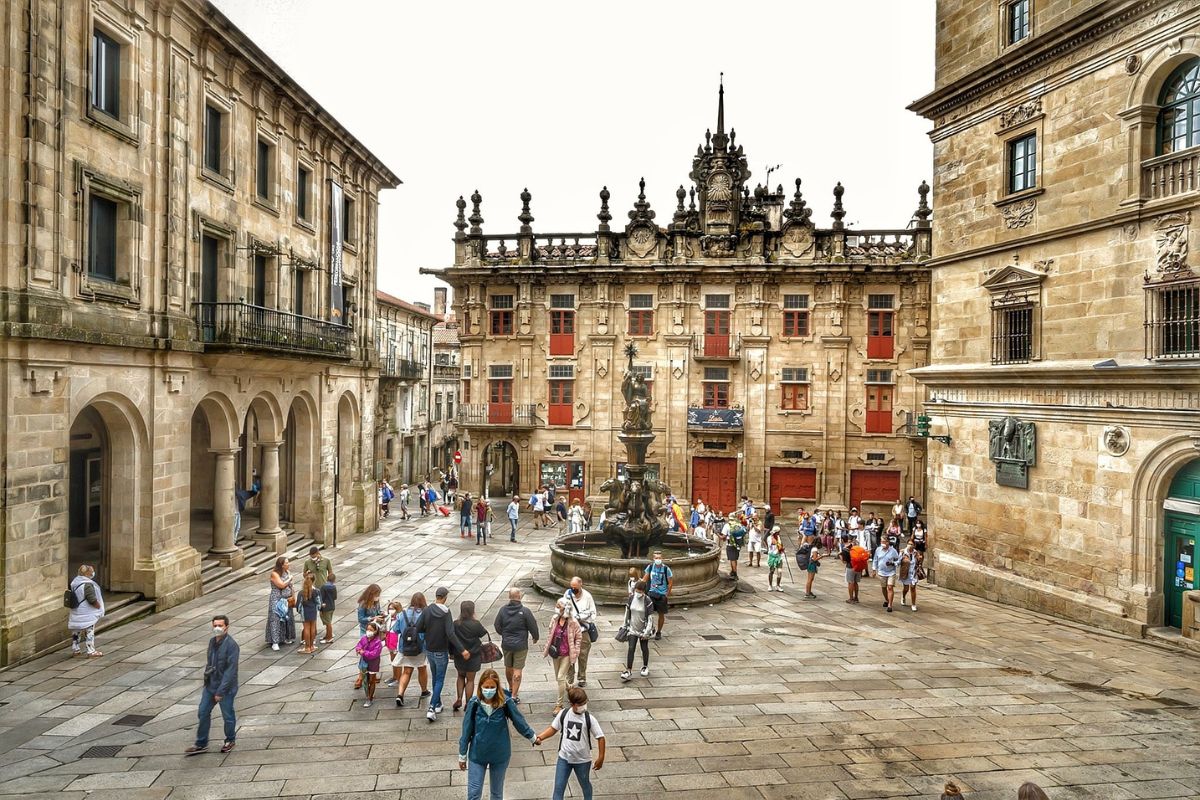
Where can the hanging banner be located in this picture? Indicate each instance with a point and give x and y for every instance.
(335, 256)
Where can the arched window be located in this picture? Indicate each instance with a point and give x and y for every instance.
(1179, 120)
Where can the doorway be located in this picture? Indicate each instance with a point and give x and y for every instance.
(714, 480)
(564, 476)
(1181, 530)
(87, 516)
(502, 457)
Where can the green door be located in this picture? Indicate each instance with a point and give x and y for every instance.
(1182, 530)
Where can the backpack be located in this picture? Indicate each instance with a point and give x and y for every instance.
(804, 555)
(71, 599)
(587, 724)
(410, 639)
(859, 558)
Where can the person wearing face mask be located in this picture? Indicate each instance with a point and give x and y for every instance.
(661, 580)
(369, 649)
(639, 621)
(575, 723)
(220, 687)
(583, 609)
(910, 570)
(485, 745)
(563, 641)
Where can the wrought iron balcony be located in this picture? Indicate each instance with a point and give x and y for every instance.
(717, 347)
(498, 415)
(716, 419)
(242, 326)
(401, 368)
(1172, 174)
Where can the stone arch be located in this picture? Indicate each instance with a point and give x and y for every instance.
(1158, 66)
(221, 418)
(269, 414)
(124, 511)
(1151, 483)
(214, 434)
(300, 463)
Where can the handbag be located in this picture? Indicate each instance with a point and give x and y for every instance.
(489, 652)
(593, 633)
(622, 634)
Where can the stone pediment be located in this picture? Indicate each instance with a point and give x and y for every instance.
(1013, 278)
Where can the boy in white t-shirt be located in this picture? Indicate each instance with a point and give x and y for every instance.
(578, 727)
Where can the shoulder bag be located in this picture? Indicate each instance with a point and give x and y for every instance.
(623, 631)
(488, 651)
(593, 633)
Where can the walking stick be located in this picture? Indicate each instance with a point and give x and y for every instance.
(791, 577)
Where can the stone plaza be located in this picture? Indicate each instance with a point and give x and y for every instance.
(764, 696)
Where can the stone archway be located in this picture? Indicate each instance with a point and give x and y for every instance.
(299, 465)
(257, 470)
(348, 500)
(214, 448)
(504, 480)
(108, 493)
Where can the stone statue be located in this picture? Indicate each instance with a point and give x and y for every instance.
(637, 402)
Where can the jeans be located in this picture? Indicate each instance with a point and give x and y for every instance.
(237, 526)
(464, 523)
(512, 536)
(437, 669)
(633, 644)
(495, 783)
(562, 774)
(87, 637)
(482, 529)
(207, 701)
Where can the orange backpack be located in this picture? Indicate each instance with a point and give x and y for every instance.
(858, 558)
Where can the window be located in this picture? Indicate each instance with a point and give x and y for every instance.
(500, 394)
(350, 235)
(562, 394)
(500, 371)
(450, 405)
(214, 139)
(263, 170)
(641, 315)
(647, 373)
(259, 288)
(1018, 20)
(716, 325)
(502, 315)
(1179, 119)
(303, 183)
(1012, 330)
(106, 74)
(1173, 319)
(794, 389)
(716, 387)
(437, 407)
(1022, 163)
(880, 319)
(562, 324)
(716, 301)
(562, 301)
(298, 291)
(102, 238)
(879, 401)
(795, 315)
(466, 391)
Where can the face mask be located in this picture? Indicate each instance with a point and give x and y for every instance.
(577, 591)
(580, 709)
(370, 634)
(488, 694)
(639, 595)
(658, 562)
(218, 630)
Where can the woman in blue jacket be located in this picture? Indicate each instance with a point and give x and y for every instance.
(485, 737)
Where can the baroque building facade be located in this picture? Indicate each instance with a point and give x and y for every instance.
(1065, 362)
(777, 353)
(405, 333)
(187, 298)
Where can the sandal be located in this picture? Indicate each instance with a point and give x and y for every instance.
(96, 654)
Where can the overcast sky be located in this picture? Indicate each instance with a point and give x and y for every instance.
(566, 97)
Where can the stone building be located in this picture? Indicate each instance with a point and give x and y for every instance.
(404, 332)
(186, 298)
(447, 372)
(777, 353)
(1065, 361)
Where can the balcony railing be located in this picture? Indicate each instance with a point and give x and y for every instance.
(447, 371)
(1172, 174)
(402, 368)
(717, 347)
(506, 415)
(250, 327)
(715, 419)
(880, 244)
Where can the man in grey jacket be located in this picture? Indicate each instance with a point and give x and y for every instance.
(220, 686)
(515, 624)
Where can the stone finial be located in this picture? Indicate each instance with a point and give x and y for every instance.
(604, 216)
(923, 210)
(641, 208)
(460, 222)
(692, 200)
(839, 211)
(525, 217)
(798, 211)
(680, 196)
(476, 218)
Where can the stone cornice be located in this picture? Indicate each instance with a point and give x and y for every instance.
(1086, 374)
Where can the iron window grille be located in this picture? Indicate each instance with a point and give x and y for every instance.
(881, 301)
(716, 301)
(1173, 319)
(562, 371)
(500, 371)
(716, 374)
(502, 301)
(1015, 323)
(641, 301)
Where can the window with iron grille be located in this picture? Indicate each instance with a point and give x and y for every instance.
(1173, 319)
(1014, 329)
(716, 387)
(562, 301)
(879, 376)
(500, 371)
(795, 315)
(794, 389)
(716, 301)
(1018, 20)
(565, 371)
(716, 374)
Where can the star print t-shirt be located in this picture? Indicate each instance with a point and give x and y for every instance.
(574, 745)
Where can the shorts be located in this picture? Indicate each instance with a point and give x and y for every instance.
(813, 566)
(755, 547)
(732, 553)
(515, 659)
(327, 618)
(851, 576)
(887, 580)
(412, 662)
(659, 602)
(775, 561)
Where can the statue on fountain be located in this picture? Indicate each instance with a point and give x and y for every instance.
(633, 519)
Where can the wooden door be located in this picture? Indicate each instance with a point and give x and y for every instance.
(500, 402)
(795, 484)
(874, 486)
(716, 333)
(1182, 530)
(715, 481)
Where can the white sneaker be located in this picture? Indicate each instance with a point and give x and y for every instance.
(431, 715)
(275, 646)
(914, 607)
(625, 675)
(645, 671)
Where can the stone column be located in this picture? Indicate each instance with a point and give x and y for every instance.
(269, 533)
(224, 549)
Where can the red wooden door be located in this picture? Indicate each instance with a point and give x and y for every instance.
(879, 408)
(562, 333)
(561, 398)
(874, 486)
(716, 333)
(879, 334)
(715, 481)
(500, 402)
(794, 483)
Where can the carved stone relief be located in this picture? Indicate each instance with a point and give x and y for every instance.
(797, 241)
(1171, 243)
(1115, 440)
(1019, 214)
(1020, 113)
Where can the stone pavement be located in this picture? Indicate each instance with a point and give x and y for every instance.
(765, 696)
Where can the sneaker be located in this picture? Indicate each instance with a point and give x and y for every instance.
(582, 684)
(431, 716)
(399, 702)
(290, 641)
(327, 641)
(625, 675)
(657, 635)
(914, 608)
(225, 748)
(196, 750)
(391, 683)
(645, 671)
(366, 703)
(439, 709)
(275, 646)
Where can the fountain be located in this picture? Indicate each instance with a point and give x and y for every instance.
(634, 525)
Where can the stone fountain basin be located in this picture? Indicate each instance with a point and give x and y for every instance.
(605, 573)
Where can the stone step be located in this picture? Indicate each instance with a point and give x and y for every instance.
(129, 608)
(230, 577)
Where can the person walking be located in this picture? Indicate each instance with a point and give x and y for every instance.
(404, 501)
(514, 511)
(563, 640)
(574, 723)
(281, 625)
(575, 517)
(735, 536)
(466, 510)
(910, 572)
(369, 649)
(220, 687)
(441, 640)
(309, 601)
(775, 556)
(422, 499)
(912, 510)
(485, 746)
(810, 571)
(768, 519)
(85, 613)
(411, 655)
(368, 611)
(756, 548)
(386, 493)
(661, 581)
(240, 498)
(583, 609)
(516, 625)
(537, 500)
(639, 622)
(886, 561)
(483, 521)
(561, 515)
(470, 632)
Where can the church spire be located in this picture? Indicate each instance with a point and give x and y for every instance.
(721, 106)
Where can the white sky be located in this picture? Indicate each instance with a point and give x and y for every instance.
(565, 97)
